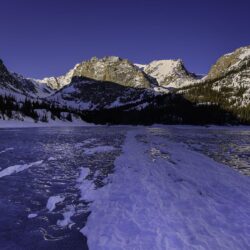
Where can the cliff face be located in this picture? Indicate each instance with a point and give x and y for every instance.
(116, 70)
(89, 94)
(162, 73)
(230, 64)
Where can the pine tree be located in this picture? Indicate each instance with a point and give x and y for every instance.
(69, 117)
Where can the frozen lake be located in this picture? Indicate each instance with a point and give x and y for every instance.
(48, 178)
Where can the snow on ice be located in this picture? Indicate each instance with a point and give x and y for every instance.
(6, 150)
(53, 200)
(52, 159)
(86, 187)
(18, 168)
(31, 216)
(66, 221)
(162, 195)
(84, 143)
(83, 174)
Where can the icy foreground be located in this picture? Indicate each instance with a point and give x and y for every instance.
(164, 196)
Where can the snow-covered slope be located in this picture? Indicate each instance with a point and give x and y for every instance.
(89, 94)
(59, 82)
(16, 85)
(140, 66)
(229, 80)
(25, 100)
(170, 73)
(39, 90)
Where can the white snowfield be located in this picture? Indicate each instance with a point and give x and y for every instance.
(162, 195)
(18, 168)
(59, 81)
(162, 68)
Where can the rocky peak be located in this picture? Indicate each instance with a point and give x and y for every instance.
(230, 77)
(116, 70)
(110, 68)
(1, 64)
(229, 63)
(15, 83)
(3, 69)
(106, 59)
(170, 73)
(6, 77)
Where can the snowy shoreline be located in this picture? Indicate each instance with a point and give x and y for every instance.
(29, 123)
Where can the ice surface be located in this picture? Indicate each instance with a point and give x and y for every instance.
(84, 143)
(160, 194)
(18, 168)
(165, 196)
(53, 200)
(98, 149)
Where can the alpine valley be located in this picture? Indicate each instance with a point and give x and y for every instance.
(113, 90)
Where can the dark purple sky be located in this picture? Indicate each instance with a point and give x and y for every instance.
(41, 38)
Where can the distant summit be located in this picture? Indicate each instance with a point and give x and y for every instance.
(170, 73)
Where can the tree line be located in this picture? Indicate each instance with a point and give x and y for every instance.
(164, 109)
(9, 106)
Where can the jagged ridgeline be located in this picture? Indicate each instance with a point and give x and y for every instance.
(116, 91)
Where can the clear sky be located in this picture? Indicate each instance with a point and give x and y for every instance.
(41, 38)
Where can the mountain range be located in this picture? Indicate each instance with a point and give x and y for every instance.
(116, 91)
